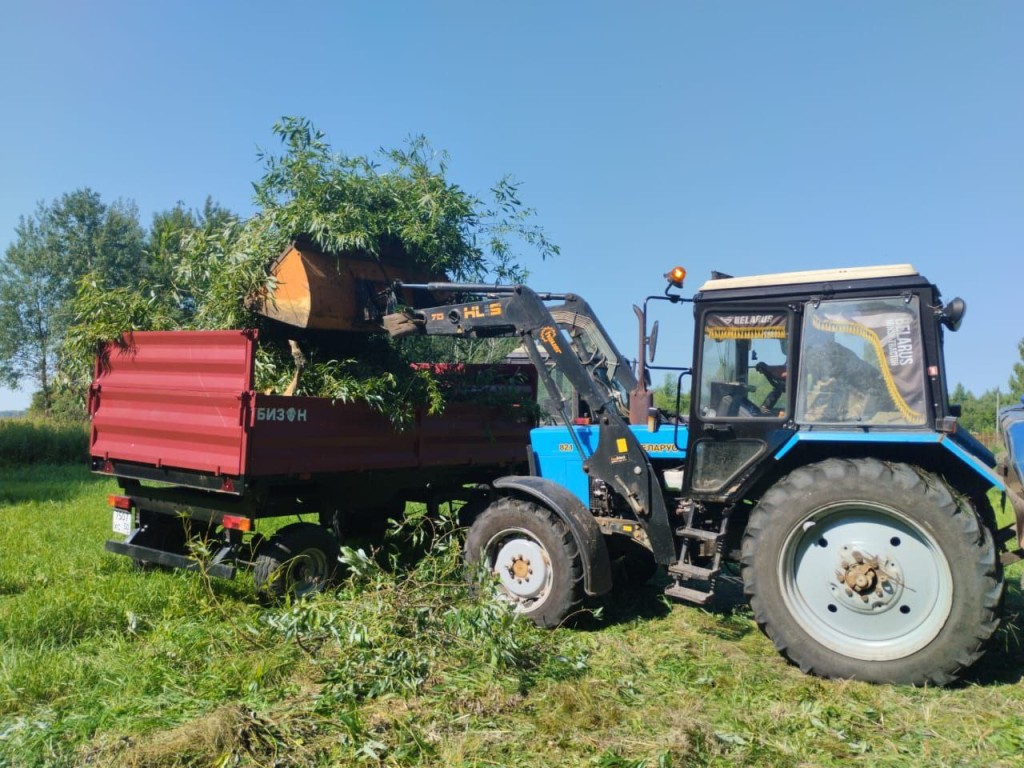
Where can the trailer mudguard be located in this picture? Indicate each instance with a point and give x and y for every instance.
(597, 570)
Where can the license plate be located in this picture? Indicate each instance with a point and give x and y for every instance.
(122, 522)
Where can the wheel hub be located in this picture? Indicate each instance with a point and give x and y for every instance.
(522, 568)
(865, 582)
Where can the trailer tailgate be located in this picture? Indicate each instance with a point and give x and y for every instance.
(174, 399)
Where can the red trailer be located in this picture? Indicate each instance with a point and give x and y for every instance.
(197, 451)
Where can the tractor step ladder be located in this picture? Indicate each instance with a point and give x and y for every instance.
(691, 582)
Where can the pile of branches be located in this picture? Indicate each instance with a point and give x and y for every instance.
(402, 201)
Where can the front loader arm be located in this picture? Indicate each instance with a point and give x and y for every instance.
(619, 460)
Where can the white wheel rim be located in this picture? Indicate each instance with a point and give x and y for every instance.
(522, 566)
(866, 581)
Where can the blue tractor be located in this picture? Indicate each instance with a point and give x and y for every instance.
(820, 454)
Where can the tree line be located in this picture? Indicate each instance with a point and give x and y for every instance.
(75, 237)
(978, 412)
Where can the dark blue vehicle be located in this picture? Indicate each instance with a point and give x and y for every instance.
(820, 454)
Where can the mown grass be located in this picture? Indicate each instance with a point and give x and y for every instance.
(104, 665)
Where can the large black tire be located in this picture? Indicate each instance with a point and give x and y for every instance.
(298, 560)
(861, 569)
(533, 554)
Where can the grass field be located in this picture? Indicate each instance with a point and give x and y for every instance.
(104, 665)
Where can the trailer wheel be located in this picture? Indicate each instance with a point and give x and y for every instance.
(298, 560)
(534, 556)
(874, 571)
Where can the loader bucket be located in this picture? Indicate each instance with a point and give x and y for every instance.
(337, 292)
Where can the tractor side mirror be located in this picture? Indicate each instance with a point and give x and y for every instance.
(652, 342)
(952, 314)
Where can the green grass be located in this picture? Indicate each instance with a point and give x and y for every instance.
(25, 442)
(104, 665)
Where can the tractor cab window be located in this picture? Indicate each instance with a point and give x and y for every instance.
(744, 365)
(861, 362)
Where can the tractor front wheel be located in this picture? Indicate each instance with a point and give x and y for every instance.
(533, 555)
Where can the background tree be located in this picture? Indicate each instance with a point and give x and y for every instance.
(1016, 384)
(171, 238)
(28, 305)
(53, 248)
(88, 236)
(665, 396)
(978, 413)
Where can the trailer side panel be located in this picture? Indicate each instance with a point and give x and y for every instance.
(292, 435)
(183, 400)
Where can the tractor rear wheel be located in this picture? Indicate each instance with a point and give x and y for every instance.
(856, 568)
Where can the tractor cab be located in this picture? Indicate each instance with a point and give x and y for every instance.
(825, 350)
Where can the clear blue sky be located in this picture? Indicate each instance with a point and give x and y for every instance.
(741, 136)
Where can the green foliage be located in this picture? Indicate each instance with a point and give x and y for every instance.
(197, 280)
(447, 349)
(385, 381)
(74, 235)
(1016, 384)
(171, 229)
(66, 406)
(665, 396)
(403, 200)
(399, 630)
(113, 312)
(205, 267)
(978, 413)
(32, 441)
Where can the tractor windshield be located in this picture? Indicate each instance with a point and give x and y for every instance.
(862, 362)
(743, 371)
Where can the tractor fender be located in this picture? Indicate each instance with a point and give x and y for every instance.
(597, 570)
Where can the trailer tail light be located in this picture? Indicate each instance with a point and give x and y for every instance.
(236, 523)
(119, 502)
(107, 468)
(227, 485)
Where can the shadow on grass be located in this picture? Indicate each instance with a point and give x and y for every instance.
(44, 482)
(1004, 662)
(9, 588)
(628, 603)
